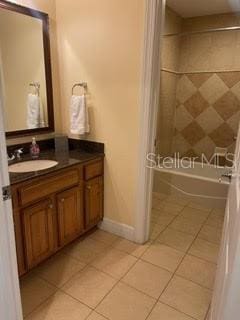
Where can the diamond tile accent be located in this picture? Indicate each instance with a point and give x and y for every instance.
(213, 89)
(198, 79)
(185, 89)
(196, 104)
(209, 120)
(205, 146)
(230, 78)
(190, 154)
(223, 136)
(236, 90)
(183, 118)
(227, 105)
(180, 144)
(214, 103)
(233, 122)
(193, 133)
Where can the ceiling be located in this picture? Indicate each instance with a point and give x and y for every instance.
(194, 8)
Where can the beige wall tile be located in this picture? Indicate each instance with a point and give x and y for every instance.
(223, 136)
(213, 89)
(227, 105)
(196, 104)
(185, 89)
(209, 120)
(193, 133)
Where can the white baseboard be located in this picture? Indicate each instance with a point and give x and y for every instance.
(120, 229)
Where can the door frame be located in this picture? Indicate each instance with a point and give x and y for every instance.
(149, 103)
(10, 301)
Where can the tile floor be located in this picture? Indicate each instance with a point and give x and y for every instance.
(107, 277)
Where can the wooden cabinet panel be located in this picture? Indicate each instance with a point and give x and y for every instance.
(39, 232)
(93, 201)
(70, 214)
(19, 243)
(93, 170)
(51, 211)
(46, 186)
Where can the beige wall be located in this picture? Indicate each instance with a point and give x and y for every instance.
(100, 42)
(48, 6)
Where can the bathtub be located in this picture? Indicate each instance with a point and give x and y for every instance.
(197, 183)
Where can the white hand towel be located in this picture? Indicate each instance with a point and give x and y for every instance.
(33, 111)
(42, 123)
(79, 115)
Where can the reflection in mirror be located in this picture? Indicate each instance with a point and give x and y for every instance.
(26, 71)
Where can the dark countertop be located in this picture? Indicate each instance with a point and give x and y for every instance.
(64, 159)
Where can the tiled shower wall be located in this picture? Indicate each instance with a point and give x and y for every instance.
(208, 112)
(205, 108)
(169, 80)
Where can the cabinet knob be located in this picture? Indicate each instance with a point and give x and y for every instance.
(62, 200)
(50, 206)
(89, 187)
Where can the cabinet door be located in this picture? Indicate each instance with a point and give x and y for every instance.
(94, 201)
(70, 214)
(39, 232)
(19, 242)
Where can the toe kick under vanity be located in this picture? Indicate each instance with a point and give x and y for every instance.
(53, 207)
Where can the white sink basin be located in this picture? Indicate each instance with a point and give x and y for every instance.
(30, 166)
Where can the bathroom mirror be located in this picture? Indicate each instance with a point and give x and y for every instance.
(26, 70)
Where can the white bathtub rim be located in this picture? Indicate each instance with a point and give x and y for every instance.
(191, 175)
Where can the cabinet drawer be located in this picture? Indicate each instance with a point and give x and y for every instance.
(47, 186)
(93, 170)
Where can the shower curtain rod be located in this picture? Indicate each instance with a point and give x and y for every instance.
(202, 31)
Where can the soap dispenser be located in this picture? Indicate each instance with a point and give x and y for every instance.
(34, 149)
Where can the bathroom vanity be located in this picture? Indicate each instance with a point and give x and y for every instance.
(53, 207)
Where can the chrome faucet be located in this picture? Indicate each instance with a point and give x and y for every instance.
(18, 153)
(228, 175)
(11, 157)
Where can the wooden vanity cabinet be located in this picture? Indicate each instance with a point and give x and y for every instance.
(54, 210)
(70, 215)
(94, 201)
(39, 223)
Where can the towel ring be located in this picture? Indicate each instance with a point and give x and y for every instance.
(36, 85)
(81, 84)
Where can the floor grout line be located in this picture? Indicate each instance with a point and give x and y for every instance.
(174, 274)
(138, 259)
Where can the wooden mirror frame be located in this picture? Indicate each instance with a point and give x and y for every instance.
(48, 69)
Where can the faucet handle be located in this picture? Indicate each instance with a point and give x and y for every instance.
(18, 152)
(11, 157)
